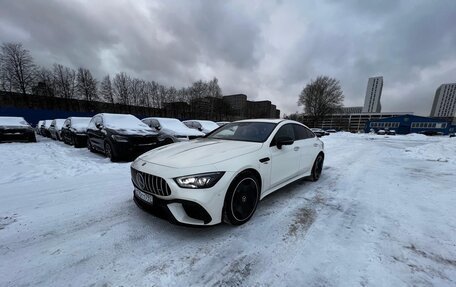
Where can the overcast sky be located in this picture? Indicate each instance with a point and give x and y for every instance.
(265, 49)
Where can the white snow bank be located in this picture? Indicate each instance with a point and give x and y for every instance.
(443, 151)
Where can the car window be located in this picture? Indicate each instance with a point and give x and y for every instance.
(286, 131)
(302, 132)
(154, 123)
(66, 124)
(244, 131)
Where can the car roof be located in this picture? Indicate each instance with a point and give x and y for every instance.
(274, 121)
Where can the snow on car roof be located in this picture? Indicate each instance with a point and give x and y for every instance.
(59, 123)
(123, 121)
(13, 121)
(208, 125)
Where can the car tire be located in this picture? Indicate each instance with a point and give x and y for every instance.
(109, 152)
(168, 141)
(242, 199)
(89, 146)
(317, 168)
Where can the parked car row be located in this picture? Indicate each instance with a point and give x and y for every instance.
(122, 136)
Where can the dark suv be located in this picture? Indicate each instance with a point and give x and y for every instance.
(13, 129)
(120, 136)
(74, 131)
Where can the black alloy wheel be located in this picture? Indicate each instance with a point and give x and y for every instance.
(89, 145)
(168, 141)
(241, 199)
(317, 168)
(109, 152)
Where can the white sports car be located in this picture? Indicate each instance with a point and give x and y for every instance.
(224, 175)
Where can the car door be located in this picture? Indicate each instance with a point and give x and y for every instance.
(99, 133)
(65, 130)
(284, 161)
(308, 147)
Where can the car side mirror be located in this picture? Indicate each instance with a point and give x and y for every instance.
(284, 141)
(99, 126)
(157, 128)
(200, 129)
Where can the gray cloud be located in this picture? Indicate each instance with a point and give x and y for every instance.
(268, 50)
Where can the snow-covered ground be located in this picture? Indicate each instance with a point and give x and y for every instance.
(383, 214)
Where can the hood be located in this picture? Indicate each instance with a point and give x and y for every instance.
(182, 132)
(199, 152)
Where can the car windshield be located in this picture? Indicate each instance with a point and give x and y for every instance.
(80, 122)
(244, 131)
(123, 121)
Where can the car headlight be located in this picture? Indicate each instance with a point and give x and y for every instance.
(118, 138)
(202, 180)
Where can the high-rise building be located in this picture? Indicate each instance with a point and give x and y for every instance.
(373, 94)
(444, 104)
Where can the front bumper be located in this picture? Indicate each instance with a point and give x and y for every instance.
(131, 150)
(201, 207)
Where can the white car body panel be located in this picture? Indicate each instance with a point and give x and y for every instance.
(232, 157)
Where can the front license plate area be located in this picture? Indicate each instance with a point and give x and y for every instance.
(144, 196)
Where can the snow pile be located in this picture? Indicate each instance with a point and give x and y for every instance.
(443, 151)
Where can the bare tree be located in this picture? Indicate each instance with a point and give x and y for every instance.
(106, 91)
(64, 81)
(86, 85)
(121, 88)
(321, 97)
(45, 82)
(214, 89)
(17, 68)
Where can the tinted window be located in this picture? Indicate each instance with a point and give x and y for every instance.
(244, 131)
(286, 131)
(302, 133)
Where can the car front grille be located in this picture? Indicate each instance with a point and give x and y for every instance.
(149, 183)
(142, 140)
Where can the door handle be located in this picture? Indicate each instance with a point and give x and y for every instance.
(296, 148)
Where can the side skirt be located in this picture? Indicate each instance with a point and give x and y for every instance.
(271, 190)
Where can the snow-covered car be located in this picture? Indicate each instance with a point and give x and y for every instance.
(171, 130)
(202, 126)
(13, 129)
(224, 175)
(45, 128)
(55, 128)
(381, 132)
(120, 136)
(391, 132)
(222, 123)
(318, 132)
(38, 127)
(74, 131)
